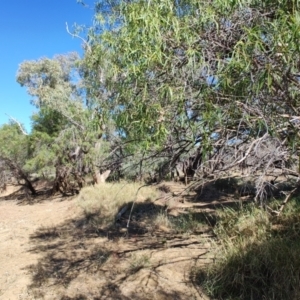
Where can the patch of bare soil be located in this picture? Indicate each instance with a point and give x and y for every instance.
(50, 250)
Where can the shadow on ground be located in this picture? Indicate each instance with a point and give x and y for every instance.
(231, 191)
(120, 261)
(113, 292)
(213, 195)
(24, 197)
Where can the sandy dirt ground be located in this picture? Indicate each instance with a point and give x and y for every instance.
(49, 251)
(17, 223)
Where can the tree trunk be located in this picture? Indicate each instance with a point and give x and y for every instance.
(100, 178)
(20, 174)
(29, 185)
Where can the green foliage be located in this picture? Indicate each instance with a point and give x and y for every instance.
(13, 144)
(158, 77)
(48, 121)
(162, 54)
(47, 125)
(53, 84)
(43, 157)
(14, 152)
(67, 128)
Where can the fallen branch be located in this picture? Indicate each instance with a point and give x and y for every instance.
(286, 200)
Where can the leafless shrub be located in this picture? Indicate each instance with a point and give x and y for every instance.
(263, 159)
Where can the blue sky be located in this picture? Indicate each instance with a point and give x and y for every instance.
(30, 30)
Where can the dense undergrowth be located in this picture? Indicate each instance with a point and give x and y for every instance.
(257, 255)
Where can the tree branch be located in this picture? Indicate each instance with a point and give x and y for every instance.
(18, 123)
(79, 37)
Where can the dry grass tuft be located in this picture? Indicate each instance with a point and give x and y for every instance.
(162, 221)
(107, 199)
(257, 255)
(138, 262)
(183, 223)
(250, 223)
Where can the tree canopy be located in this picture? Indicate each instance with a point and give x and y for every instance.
(162, 80)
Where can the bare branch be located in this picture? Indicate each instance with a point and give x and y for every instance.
(18, 123)
(79, 37)
(283, 204)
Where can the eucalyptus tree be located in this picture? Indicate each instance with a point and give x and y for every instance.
(213, 73)
(67, 131)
